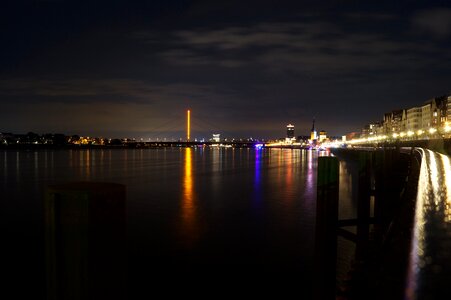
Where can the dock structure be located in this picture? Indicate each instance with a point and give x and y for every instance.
(85, 241)
(383, 226)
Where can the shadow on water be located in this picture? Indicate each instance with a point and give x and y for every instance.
(85, 241)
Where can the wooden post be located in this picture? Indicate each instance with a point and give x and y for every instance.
(363, 204)
(379, 194)
(326, 228)
(85, 241)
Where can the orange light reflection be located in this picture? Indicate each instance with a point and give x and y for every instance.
(190, 230)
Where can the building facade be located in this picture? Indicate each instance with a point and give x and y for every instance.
(290, 131)
(432, 116)
(413, 119)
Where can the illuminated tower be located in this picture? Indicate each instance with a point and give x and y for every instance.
(313, 132)
(290, 134)
(188, 125)
(290, 131)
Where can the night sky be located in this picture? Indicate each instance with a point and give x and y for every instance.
(244, 68)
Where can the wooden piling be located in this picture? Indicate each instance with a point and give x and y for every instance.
(379, 194)
(326, 228)
(85, 241)
(363, 204)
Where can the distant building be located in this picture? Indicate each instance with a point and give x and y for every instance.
(434, 115)
(290, 134)
(313, 135)
(352, 135)
(414, 118)
(303, 138)
(322, 136)
(426, 115)
(374, 129)
(216, 137)
(448, 110)
(290, 131)
(441, 104)
(394, 121)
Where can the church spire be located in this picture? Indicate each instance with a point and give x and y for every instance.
(313, 132)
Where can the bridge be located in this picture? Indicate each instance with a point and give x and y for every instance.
(233, 143)
(188, 130)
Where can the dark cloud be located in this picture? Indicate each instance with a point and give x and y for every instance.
(435, 22)
(242, 70)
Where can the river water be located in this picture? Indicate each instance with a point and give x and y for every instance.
(202, 222)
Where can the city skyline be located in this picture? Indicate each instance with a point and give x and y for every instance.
(125, 70)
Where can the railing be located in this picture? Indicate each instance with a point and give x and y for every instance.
(429, 274)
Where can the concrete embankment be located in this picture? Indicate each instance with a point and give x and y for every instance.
(388, 183)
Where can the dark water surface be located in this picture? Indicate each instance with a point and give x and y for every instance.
(200, 222)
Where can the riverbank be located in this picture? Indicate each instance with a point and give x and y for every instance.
(380, 270)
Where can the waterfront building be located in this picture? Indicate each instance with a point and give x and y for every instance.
(216, 137)
(434, 113)
(448, 109)
(322, 136)
(394, 121)
(352, 135)
(373, 129)
(442, 110)
(290, 131)
(290, 134)
(431, 116)
(414, 119)
(426, 115)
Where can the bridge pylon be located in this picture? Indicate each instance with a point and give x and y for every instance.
(188, 125)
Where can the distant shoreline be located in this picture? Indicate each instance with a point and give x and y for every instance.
(55, 147)
(146, 145)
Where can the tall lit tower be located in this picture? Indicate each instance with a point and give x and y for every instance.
(290, 134)
(188, 125)
(313, 135)
(290, 131)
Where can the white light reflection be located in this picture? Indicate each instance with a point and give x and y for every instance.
(434, 195)
(433, 179)
(417, 247)
(447, 183)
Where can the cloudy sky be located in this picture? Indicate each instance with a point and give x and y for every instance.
(245, 68)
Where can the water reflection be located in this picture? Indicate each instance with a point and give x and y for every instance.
(243, 208)
(429, 268)
(346, 206)
(17, 166)
(288, 184)
(257, 168)
(88, 164)
(258, 193)
(311, 175)
(289, 169)
(190, 228)
(447, 181)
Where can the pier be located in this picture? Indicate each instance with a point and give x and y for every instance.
(402, 227)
